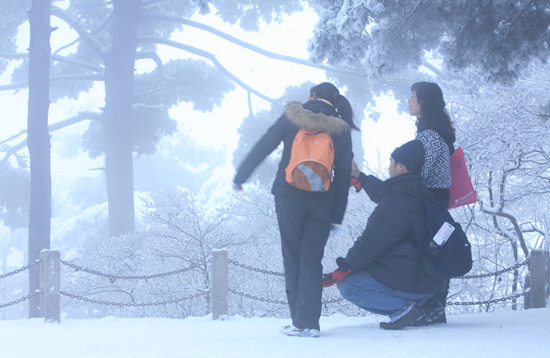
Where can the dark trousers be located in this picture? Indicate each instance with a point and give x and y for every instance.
(304, 223)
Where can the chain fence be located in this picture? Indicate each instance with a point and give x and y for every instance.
(465, 277)
(21, 269)
(497, 273)
(113, 278)
(14, 272)
(255, 269)
(494, 300)
(132, 304)
(22, 299)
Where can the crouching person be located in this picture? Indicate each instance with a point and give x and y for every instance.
(381, 272)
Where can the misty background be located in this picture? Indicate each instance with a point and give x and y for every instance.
(152, 104)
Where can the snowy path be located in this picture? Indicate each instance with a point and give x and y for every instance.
(501, 334)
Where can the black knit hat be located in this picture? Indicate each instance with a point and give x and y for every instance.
(411, 155)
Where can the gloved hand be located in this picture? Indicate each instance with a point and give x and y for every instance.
(356, 183)
(335, 277)
(334, 228)
(236, 188)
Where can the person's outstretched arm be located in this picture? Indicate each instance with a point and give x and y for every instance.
(263, 147)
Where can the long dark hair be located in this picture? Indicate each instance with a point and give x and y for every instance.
(329, 92)
(433, 114)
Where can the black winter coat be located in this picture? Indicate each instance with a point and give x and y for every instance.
(395, 235)
(313, 115)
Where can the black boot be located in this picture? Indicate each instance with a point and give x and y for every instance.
(434, 313)
(407, 320)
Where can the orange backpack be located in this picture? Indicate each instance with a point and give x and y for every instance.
(311, 159)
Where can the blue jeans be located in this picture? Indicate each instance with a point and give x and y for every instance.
(362, 289)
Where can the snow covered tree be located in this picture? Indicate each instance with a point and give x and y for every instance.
(383, 37)
(503, 131)
(181, 234)
(108, 38)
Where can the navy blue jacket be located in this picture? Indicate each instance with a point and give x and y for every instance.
(313, 115)
(395, 235)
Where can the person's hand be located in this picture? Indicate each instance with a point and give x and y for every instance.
(237, 188)
(334, 228)
(354, 169)
(356, 183)
(335, 277)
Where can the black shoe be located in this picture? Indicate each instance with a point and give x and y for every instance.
(434, 313)
(409, 319)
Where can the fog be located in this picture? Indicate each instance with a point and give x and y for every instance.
(194, 118)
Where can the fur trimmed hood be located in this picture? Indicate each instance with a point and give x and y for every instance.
(304, 118)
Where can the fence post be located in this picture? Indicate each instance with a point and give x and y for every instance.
(539, 276)
(50, 272)
(220, 287)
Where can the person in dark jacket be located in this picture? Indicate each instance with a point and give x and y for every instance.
(306, 218)
(436, 132)
(381, 272)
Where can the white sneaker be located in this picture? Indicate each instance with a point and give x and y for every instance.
(290, 330)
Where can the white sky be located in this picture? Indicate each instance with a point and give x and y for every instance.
(511, 334)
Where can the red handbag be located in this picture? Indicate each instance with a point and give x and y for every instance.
(461, 190)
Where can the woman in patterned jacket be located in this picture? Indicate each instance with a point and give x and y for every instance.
(435, 131)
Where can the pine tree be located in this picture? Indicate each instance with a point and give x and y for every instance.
(110, 36)
(383, 37)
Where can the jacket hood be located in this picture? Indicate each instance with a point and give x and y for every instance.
(307, 119)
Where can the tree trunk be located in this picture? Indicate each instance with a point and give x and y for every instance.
(119, 84)
(39, 141)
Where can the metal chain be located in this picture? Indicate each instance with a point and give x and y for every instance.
(255, 269)
(137, 277)
(117, 277)
(516, 266)
(496, 300)
(36, 262)
(4, 305)
(334, 300)
(275, 301)
(120, 304)
(256, 297)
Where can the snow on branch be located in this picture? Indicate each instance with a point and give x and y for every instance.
(85, 115)
(75, 24)
(57, 58)
(248, 46)
(208, 56)
(25, 84)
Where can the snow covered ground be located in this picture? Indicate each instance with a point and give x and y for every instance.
(501, 334)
